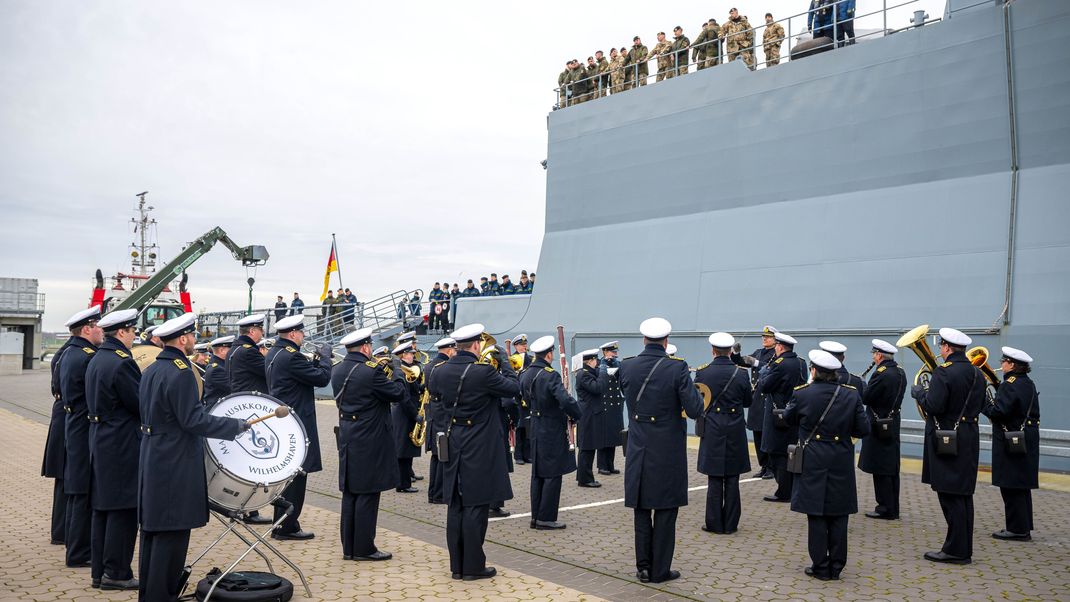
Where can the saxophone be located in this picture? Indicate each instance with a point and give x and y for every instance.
(419, 432)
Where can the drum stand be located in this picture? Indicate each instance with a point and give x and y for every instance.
(231, 520)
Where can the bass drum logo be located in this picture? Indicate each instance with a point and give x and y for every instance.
(260, 441)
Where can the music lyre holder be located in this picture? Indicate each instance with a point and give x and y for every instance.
(230, 520)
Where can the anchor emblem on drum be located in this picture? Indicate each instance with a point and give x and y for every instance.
(261, 442)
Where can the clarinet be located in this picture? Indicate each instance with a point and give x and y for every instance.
(871, 364)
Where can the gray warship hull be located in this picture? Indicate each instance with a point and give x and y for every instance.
(919, 178)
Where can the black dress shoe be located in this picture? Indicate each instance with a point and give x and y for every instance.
(548, 525)
(614, 471)
(417, 477)
(519, 462)
(294, 536)
(532, 524)
(671, 575)
(759, 475)
(592, 484)
(773, 498)
(376, 555)
(604, 472)
(107, 582)
(880, 516)
(643, 576)
(257, 519)
(456, 576)
(498, 513)
(768, 475)
(57, 542)
(1009, 536)
(486, 573)
(406, 490)
(811, 573)
(96, 584)
(709, 530)
(946, 558)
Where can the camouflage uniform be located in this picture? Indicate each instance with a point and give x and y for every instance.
(679, 54)
(662, 50)
(771, 40)
(707, 46)
(579, 85)
(636, 68)
(562, 97)
(603, 76)
(591, 72)
(739, 40)
(616, 74)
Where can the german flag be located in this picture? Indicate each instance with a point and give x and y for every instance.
(332, 266)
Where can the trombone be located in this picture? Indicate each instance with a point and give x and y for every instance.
(915, 340)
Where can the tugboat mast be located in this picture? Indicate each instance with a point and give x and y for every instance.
(144, 250)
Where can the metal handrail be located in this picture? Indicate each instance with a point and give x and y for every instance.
(601, 91)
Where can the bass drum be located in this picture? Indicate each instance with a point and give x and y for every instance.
(144, 355)
(251, 471)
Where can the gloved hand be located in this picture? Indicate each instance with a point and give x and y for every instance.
(736, 347)
(917, 392)
(750, 360)
(326, 352)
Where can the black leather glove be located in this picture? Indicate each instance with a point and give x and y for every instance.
(917, 392)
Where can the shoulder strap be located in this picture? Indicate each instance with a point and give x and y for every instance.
(453, 408)
(969, 396)
(725, 388)
(346, 381)
(267, 370)
(531, 390)
(646, 380)
(1030, 408)
(897, 403)
(835, 394)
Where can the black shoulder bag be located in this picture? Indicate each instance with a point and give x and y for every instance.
(882, 427)
(1016, 439)
(796, 452)
(700, 424)
(624, 432)
(947, 440)
(442, 440)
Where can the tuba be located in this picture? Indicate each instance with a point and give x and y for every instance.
(145, 355)
(915, 340)
(978, 356)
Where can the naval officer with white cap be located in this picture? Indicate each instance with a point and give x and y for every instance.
(952, 402)
(839, 351)
(1015, 416)
(777, 381)
(883, 398)
(245, 369)
(216, 383)
(435, 420)
(656, 388)
(827, 415)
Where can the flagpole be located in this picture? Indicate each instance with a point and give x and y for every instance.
(338, 264)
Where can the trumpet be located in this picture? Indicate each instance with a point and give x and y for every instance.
(915, 340)
(412, 374)
(978, 356)
(311, 351)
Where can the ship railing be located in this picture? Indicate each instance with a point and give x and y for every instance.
(14, 302)
(795, 32)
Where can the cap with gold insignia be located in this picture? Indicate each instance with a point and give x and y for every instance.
(253, 320)
(520, 339)
(290, 323)
(201, 347)
(468, 333)
(176, 327)
(785, 338)
(655, 328)
(823, 359)
(541, 345)
(833, 347)
(589, 354)
(147, 333)
(226, 341)
(1017, 355)
(610, 346)
(769, 331)
(383, 350)
(670, 349)
(83, 317)
(444, 343)
(722, 340)
(884, 347)
(357, 338)
(406, 347)
(114, 320)
(407, 336)
(954, 337)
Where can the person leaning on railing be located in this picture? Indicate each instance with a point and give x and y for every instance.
(661, 52)
(680, 46)
(706, 49)
(616, 70)
(739, 38)
(636, 66)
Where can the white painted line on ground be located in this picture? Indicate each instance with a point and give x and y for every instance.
(596, 504)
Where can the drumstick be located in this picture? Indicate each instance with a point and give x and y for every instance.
(282, 412)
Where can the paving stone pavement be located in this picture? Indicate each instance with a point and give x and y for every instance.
(594, 555)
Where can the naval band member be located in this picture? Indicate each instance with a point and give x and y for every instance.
(776, 382)
(520, 361)
(551, 407)
(593, 432)
(475, 474)
(435, 421)
(839, 351)
(403, 415)
(657, 388)
(953, 401)
(246, 371)
(216, 383)
(172, 485)
(883, 398)
(756, 414)
(722, 451)
(292, 378)
(86, 336)
(827, 415)
(364, 390)
(1015, 412)
(613, 400)
(111, 389)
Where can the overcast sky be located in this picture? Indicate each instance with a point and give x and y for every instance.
(413, 130)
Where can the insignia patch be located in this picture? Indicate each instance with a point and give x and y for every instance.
(701, 367)
(181, 364)
(673, 357)
(1011, 379)
(89, 350)
(247, 345)
(213, 365)
(881, 369)
(122, 353)
(548, 369)
(778, 360)
(852, 387)
(291, 349)
(945, 364)
(802, 386)
(371, 364)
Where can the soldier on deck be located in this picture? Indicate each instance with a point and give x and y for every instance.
(662, 51)
(616, 85)
(86, 335)
(562, 101)
(636, 67)
(435, 420)
(738, 38)
(723, 453)
(590, 74)
(111, 388)
(1015, 414)
(839, 351)
(707, 45)
(603, 73)
(776, 381)
(772, 38)
(293, 378)
(613, 400)
(657, 388)
(216, 383)
(680, 46)
(403, 416)
(952, 402)
(883, 398)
